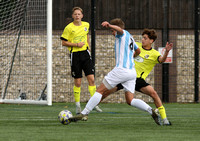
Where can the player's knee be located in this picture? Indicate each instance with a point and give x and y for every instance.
(91, 81)
(128, 101)
(78, 84)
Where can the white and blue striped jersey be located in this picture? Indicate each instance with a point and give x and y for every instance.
(125, 47)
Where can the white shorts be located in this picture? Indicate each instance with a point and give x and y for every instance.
(126, 77)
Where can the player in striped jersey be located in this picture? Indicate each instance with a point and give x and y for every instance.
(124, 72)
(144, 63)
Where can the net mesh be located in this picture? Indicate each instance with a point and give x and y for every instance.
(23, 48)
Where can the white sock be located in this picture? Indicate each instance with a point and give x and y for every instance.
(78, 104)
(141, 105)
(94, 101)
(165, 120)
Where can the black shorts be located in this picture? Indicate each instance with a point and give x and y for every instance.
(140, 83)
(81, 61)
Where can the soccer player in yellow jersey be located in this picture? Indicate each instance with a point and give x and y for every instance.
(75, 37)
(144, 63)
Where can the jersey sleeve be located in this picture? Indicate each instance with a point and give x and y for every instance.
(66, 33)
(135, 46)
(88, 25)
(157, 54)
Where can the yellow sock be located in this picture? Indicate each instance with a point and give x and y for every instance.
(162, 112)
(92, 90)
(77, 93)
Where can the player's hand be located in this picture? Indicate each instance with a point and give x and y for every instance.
(105, 24)
(168, 46)
(81, 44)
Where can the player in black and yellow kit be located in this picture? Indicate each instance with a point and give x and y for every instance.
(144, 63)
(75, 36)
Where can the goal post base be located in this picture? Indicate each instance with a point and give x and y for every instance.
(17, 101)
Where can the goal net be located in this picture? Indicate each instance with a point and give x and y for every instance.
(23, 51)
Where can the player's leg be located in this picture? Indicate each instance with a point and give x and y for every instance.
(88, 69)
(140, 104)
(149, 90)
(91, 86)
(108, 92)
(113, 78)
(96, 98)
(93, 101)
(76, 73)
(77, 93)
(129, 87)
(92, 89)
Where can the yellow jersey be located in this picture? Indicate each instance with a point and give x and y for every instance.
(76, 34)
(145, 61)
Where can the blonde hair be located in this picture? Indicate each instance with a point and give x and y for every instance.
(77, 8)
(118, 22)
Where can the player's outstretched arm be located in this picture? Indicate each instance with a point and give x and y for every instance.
(168, 47)
(114, 27)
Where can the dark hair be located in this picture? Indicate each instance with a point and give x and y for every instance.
(118, 22)
(151, 33)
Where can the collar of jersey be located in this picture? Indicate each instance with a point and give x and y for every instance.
(147, 49)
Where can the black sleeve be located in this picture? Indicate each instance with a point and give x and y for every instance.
(158, 59)
(63, 39)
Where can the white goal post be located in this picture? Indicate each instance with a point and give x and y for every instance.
(49, 52)
(26, 51)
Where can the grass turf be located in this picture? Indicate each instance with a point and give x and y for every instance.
(118, 122)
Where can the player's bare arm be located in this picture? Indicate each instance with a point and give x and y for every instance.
(168, 47)
(88, 40)
(114, 27)
(69, 44)
(137, 52)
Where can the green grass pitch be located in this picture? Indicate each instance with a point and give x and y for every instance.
(118, 122)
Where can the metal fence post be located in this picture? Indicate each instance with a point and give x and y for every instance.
(196, 33)
(165, 67)
(93, 11)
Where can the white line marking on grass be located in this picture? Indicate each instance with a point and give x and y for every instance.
(26, 119)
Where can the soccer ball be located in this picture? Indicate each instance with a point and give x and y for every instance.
(64, 116)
